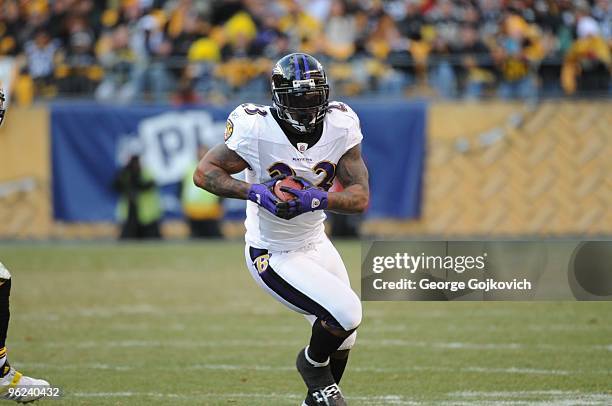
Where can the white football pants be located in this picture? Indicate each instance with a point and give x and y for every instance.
(312, 281)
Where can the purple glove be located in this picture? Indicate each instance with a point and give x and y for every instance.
(262, 194)
(310, 198)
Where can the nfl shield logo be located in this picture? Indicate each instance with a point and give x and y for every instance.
(302, 146)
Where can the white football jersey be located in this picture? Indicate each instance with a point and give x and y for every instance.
(255, 135)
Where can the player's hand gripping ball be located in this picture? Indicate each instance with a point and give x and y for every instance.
(306, 197)
(288, 182)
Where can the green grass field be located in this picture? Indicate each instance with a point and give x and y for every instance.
(185, 324)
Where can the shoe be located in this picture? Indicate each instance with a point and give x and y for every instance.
(20, 388)
(328, 396)
(309, 401)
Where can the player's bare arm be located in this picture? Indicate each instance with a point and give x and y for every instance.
(214, 173)
(353, 175)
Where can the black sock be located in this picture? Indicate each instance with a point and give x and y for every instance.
(322, 342)
(337, 363)
(5, 314)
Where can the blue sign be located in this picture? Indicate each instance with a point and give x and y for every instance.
(91, 142)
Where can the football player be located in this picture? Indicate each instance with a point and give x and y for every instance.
(9, 377)
(305, 136)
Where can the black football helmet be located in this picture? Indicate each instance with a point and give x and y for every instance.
(2, 106)
(300, 91)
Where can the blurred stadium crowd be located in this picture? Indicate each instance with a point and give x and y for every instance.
(190, 51)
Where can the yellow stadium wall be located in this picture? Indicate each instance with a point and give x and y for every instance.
(25, 211)
(548, 177)
(551, 176)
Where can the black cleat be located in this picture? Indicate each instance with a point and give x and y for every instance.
(328, 396)
(309, 401)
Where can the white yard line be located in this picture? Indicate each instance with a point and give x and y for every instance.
(526, 371)
(369, 342)
(156, 311)
(466, 327)
(547, 397)
(371, 400)
(272, 368)
(184, 395)
(468, 398)
(555, 402)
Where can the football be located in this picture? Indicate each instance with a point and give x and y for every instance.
(288, 182)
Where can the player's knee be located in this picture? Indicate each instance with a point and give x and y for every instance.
(4, 273)
(348, 343)
(349, 315)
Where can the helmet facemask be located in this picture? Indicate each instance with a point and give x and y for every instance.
(303, 109)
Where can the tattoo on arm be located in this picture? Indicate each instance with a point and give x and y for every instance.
(214, 170)
(353, 175)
